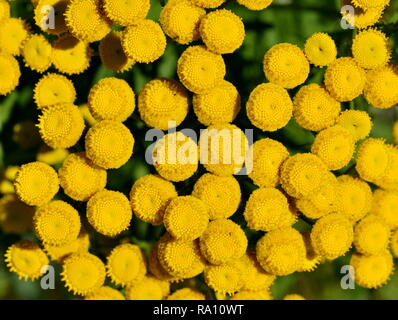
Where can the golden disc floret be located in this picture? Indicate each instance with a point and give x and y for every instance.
(126, 13)
(357, 122)
(4, 9)
(320, 49)
(385, 206)
(256, 5)
(13, 33)
(105, 293)
(149, 288)
(9, 74)
(361, 18)
(44, 9)
(369, 4)
(186, 294)
(311, 259)
(208, 4)
(37, 52)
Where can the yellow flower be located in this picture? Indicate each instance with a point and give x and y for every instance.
(334, 146)
(57, 223)
(36, 183)
(345, 79)
(286, 65)
(54, 89)
(83, 273)
(217, 105)
(4, 9)
(311, 259)
(70, 55)
(385, 206)
(369, 4)
(389, 181)
(26, 134)
(252, 295)
(9, 74)
(357, 122)
(109, 212)
(88, 118)
(126, 264)
(156, 268)
(149, 197)
(61, 125)
(223, 149)
(394, 243)
(379, 86)
(85, 20)
(362, 18)
(186, 218)
(163, 103)
(51, 156)
(109, 144)
(175, 157)
(269, 107)
(144, 42)
(293, 296)
(209, 4)
(320, 49)
(219, 235)
(372, 160)
(372, 271)
(105, 293)
(112, 54)
(222, 31)
(302, 174)
(256, 5)
(332, 236)
(200, 69)
(37, 53)
(221, 195)
(281, 251)
(186, 294)
(80, 178)
(268, 209)
(41, 16)
(126, 13)
(26, 259)
(13, 33)
(148, 288)
(15, 216)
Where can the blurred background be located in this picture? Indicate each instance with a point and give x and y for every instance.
(284, 21)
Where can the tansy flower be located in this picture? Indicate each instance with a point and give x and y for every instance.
(109, 144)
(371, 49)
(372, 159)
(186, 294)
(85, 20)
(221, 195)
(381, 87)
(36, 52)
(354, 197)
(389, 181)
(293, 296)
(371, 235)
(163, 103)
(15, 216)
(26, 134)
(51, 156)
(80, 178)
(36, 183)
(394, 243)
(361, 18)
(61, 126)
(126, 264)
(286, 65)
(111, 99)
(186, 218)
(126, 13)
(252, 295)
(217, 105)
(156, 268)
(268, 209)
(222, 31)
(357, 122)
(302, 174)
(112, 54)
(345, 79)
(149, 197)
(109, 212)
(26, 259)
(148, 288)
(320, 49)
(105, 293)
(200, 69)
(334, 146)
(13, 33)
(144, 42)
(9, 74)
(311, 259)
(221, 234)
(269, 107)
(41, 16)
(372, 271)
(223, 149)
(175, 157)
(332, 236)
(385, 205)
(53, 89)
(180, 20)
(255, 4)
(281, 251)
(4, 9)
(314, 108)
(83, 273)
(57, 223)
(369, 4)
(70, 55)
(210, 4)
(266, 157)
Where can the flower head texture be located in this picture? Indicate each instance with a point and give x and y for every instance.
(9, 74)
(320, 49)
